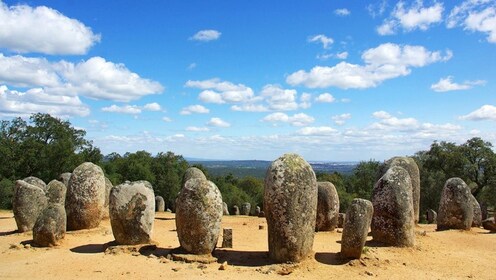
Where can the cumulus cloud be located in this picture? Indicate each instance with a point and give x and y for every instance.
(36, 100)
(342, 12)
(167, 119)
(387, 121)
(325, 98)
(152, 107)
(410, 18)
(305, 100)
(94, 78)
(127, 109)
(300, 119)
(218, 122)
(279, 99)
(218, 91)
(317, 131)
(387, 61)
(206, 35)
(341, 119)
(250, 108)
(475, 15)
(197, 129)
(197, 109)
(342, 55)
(41, 29)
(323, 39)
(447, 84)
(486, 112)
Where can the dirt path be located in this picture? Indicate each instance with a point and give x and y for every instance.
(437, 255)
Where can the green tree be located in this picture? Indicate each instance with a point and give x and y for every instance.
(168, 169)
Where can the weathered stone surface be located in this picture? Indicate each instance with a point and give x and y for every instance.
(411, 167)
(341, 218)
(393, 220)
(56, 192)
(50, 226)
(290, 205)
(227, 238)
(431, 216)
(85, 198)
(28, 203)
(327, 207)
(245, 209)
(108, 188)
(198, 216)
(456, 210)
(257, 211)
(356, 227)
(235, 210)
(477, 220)
(159, 204)
(489, 224)
(225, 209)
(64, 178)
(132, 212)
(193, 173)
(37, 182)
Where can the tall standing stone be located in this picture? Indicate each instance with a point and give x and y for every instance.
(456, 210)
(64, 178)
(235, 210)
(225, 209)
(50, 226)
(85, 197)
(56, 192)
(27, 204)
(327, 207)
(393, 220)
(35, 182)
(198, 216)
(411, 167)
(193, 173)
(108, 188)
(245, 209)
(431, 216)
(290, 205)
(356, 227)
(477, 221)
(132, 212)
(159, 204)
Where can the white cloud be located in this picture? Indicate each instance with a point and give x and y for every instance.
(218, 91)
(381, 115)
(127, 109)
(15, 103)
(167, 119)
(486, 112)
(447, 84)
(206, 35)
(410, 18)
(342, 12)
(323, 39)
(342, 55)
(279, 99)
(27, 71)
(305, 100)
(387, 61)
(192, 66)
(317, 131)
(389, 122)
(41, 29)
(377, 9)
(475, 15)
(197, 129)
(198, 109)
(341, 119)
(249, 108)
(300, 119)
(152, 107)
(218, 122)
(325, 98)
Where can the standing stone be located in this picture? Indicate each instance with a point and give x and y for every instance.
(327, 207)
(198, 216)
(50, 226)
(477, 221)
(108, 188)
(290, 205)
(411, 167)
(235, 210)
(192, 173)
(257, 211)
(35, 182)
(56, 192)
(341, 218)
(245, 209)
(159, 204)
(489, 224)
(27, 204)
(356, 227)
(65, 177)
(393, 220)
(85, 197)
(227, 238)
(456, 210)
(431, 216)
(225, 209)
(132, 212)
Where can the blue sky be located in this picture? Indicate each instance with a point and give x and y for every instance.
(330, 80)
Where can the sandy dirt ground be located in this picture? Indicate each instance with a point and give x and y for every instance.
(449, 254)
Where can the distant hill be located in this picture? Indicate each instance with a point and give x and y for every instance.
(257, 168)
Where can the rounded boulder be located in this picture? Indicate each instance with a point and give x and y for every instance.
(327, 207)
(56, 192)
(356, 227)
(27, 204)
(456, 210)
(159, 204)
(35, 181)
(50, 226)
